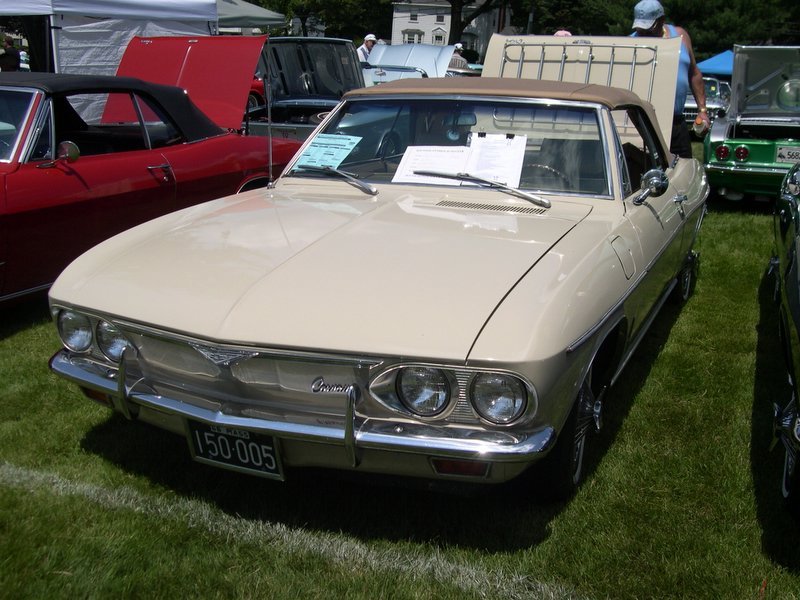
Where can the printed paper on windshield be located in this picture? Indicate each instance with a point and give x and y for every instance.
(328, 150)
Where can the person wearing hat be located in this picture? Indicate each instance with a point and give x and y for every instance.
(457, 61)
(649, 21)
(365, 48)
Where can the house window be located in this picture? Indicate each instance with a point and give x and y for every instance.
(438, 39)
(413, 16)
(413, 37)
(440, 18)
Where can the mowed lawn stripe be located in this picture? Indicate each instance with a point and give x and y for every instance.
(332, 547)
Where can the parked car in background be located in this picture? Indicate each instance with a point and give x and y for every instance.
(785, 269)
(411, 61)
(84, 157)
(444, 284)
(309, 76)
(718, 95)
(751, 148)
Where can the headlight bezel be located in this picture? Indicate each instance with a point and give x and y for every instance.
(93, 325)
(459, 408)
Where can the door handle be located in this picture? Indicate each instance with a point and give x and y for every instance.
(165, 169)
(679, 199)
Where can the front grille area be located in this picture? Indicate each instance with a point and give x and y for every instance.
(243, 381)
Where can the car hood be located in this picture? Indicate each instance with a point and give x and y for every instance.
(417, 60)
(766, 80)
(216, 71)
(313, 265)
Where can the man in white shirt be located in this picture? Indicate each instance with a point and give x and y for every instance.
(365, 48)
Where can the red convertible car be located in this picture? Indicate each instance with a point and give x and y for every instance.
(85, 157)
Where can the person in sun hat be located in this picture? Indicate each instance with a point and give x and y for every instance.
(365, 48)
(649, 21)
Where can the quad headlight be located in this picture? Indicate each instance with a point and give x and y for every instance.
(75, 330)
(498, 397)
(423, 390)
(110, 341)
(88, 334)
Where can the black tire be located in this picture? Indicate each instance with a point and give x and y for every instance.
(563, 470)
(790, 478)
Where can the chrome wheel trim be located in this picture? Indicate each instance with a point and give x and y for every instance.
(585, 420)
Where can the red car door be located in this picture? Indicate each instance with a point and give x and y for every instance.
(54, 214)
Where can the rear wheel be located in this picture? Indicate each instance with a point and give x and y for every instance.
(785, 427)
(687, 278)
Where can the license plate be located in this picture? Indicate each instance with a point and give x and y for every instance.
(790, 154)
(236, 449)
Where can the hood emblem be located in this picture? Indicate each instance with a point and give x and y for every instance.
(221, 357)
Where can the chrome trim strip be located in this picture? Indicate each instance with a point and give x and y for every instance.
(748, 170)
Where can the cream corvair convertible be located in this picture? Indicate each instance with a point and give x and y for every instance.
(444, 284)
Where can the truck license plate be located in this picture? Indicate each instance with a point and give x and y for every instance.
(236, 449)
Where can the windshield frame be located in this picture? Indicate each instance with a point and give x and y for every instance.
(17, 136)
(490, 104)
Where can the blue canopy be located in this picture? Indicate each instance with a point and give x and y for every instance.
(721, 64)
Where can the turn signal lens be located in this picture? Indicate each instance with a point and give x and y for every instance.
(741, 153)
(722, 152)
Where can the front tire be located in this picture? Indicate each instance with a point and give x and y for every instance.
(563, 470)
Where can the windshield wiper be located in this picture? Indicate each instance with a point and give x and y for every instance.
(349, 177)
(537, 200)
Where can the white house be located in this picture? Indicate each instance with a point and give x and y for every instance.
(428, 22)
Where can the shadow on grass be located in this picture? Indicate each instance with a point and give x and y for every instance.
(501, 518)
(779, 531)
(18, 315)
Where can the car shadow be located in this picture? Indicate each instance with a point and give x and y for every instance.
(19, 315)
(779, 530)
(497, 518)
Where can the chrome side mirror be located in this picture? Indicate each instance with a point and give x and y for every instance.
(654, 183)
(68, 151)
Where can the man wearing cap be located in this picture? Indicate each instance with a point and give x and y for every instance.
(649, 21)
(365, 48)
(457, 61)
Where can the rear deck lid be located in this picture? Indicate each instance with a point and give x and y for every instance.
(766, 81)
(646, 66)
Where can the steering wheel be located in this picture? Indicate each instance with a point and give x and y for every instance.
(551, 170)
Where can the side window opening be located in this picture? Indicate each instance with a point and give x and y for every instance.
(639, 147)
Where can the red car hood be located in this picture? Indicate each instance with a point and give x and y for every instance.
(216, 71)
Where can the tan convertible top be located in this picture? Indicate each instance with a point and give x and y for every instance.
(611, 97)
(515, 88)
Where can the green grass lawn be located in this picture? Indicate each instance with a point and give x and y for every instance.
(681, 500)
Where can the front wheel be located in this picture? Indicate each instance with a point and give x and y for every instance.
(563, 469)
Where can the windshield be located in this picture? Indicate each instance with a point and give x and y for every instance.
(14, 106)
(540, 147)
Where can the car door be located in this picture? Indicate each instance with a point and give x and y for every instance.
(57, 208)
(657, 220)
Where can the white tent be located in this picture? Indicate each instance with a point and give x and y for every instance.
(90, 36)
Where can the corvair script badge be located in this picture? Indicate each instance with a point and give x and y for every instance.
(320, 387)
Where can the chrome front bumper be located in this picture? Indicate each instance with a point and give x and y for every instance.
(396, 447)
